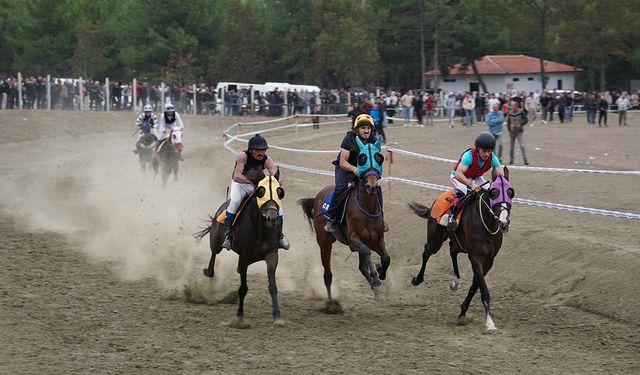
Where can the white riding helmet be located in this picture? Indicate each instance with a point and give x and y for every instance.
(148, 108)
(169, 108)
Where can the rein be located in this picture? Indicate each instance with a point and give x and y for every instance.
(482, 202)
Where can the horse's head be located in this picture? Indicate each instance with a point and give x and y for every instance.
(269, 196)
(370, 164)
(176, 138)
(501, 195)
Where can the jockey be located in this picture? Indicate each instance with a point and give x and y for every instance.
(468, 171)
(346, 163)
(247, 163)
(169, 120)
(147, 123)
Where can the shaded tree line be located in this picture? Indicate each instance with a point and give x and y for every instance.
(333, 43)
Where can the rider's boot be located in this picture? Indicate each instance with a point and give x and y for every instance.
(453, 212)
(228, 231)
(283, 243)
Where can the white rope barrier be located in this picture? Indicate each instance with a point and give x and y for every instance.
(529, 202)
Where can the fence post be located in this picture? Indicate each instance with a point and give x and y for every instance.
(195, 108)
(80, 94)
(107, 94)
(19, 90)
(134, 92)
(251, 97)
(48, 92)
(348, 98)
(162, 87)
(285, 107)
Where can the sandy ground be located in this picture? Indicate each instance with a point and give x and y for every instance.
(100, 273)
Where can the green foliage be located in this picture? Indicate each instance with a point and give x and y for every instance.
(329, 42)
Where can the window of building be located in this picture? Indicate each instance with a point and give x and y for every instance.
(516, 79)
(530, 78)
(449, 80)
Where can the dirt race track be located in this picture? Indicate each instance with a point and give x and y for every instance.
(100, 273)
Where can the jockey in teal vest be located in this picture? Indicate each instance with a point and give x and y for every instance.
(468, 171)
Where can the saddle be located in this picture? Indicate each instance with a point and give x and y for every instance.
(223, 215)
(340, 207)
(440, 208)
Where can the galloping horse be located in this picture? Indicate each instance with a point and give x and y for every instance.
(144, 148)
(167, 156)
(485, 218)
(256, 235)
(363, 227)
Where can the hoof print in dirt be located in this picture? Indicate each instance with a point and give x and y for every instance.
(239, 324)
(332, 307)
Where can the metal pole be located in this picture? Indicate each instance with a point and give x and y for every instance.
(251, 101)
(195, 110)
(19, 90)
(134, 91)
(80, 94)
(285, 108)
(161, 95)
(107, 94)
(48, 92)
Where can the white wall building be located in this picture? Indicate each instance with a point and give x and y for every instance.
(507, 73)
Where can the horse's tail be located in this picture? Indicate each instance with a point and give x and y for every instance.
(307, 206)
(419, 209)
(200, 235)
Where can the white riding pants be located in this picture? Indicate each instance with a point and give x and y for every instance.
(237, 192)
(462, 187)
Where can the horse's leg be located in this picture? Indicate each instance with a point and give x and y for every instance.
(242, 291)
(467, 301)
(478, 276)
(385, 261)
(325, 257)
(454, 249)
(367, 268)
(272, 264)
(435, 238)
(214, 245)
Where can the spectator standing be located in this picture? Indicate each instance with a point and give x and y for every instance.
(603, 106)
(428, 107)
(354, 112)
(417, 108)
(468, 104)
(407, 101)
(623, 105)
(481, 103)
(545, 101)
(495, 122)
(530, 105)
(450, 105)
(516, 119)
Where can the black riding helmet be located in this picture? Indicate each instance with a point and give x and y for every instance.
(486, 140)
(258, 143)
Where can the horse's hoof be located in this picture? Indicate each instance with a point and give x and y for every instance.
(207, 273)
(278, 323)
(454, 284)
(381, 274)
(239, 324)
(332, 307)
(462, 320)
(416, 281)
(378, 293)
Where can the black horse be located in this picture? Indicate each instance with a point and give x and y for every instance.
(144, 148)
(256, 234)
(484, 219)
(167, 157)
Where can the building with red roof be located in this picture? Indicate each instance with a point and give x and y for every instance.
(506, 73)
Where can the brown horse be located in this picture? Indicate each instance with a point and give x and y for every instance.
(484, 219)
(257, 231)
(168, 157)
(362, 230)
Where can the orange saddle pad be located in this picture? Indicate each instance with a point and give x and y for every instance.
(223, 214)
(442, 205)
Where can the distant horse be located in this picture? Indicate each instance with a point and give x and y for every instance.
(363, 227)
(144, 148)
(485, 218)
(256, 234)
(167, 156)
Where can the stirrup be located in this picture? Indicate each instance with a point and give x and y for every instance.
(330, 227)
(453, 223)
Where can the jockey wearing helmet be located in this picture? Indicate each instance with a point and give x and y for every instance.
(346, 162)
(170, 120)
(254, 159)
(468, 171)
(147, 123)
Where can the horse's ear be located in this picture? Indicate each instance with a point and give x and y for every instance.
(378, 142)
(277, 175)
(506, 172)
(494, 175)
(280, 192)
(260, 191)
(359, 142)
(511, 193)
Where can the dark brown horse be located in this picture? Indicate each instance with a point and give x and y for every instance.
(144, 148)
(255, 237)
(362, 230)
(484, 219)
(167, 157)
